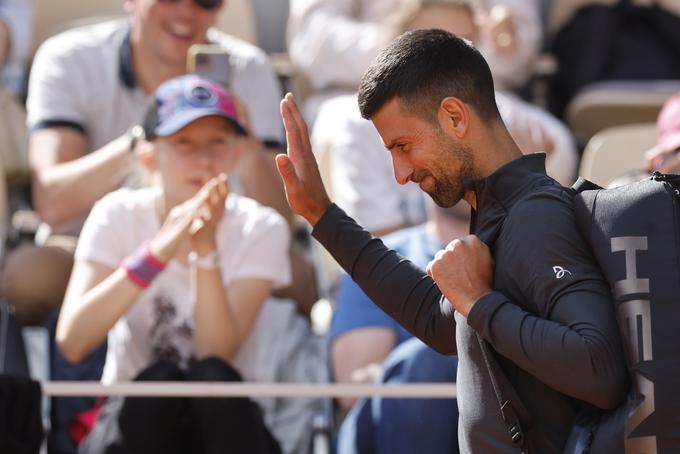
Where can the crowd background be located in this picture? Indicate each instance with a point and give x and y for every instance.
(584, 81)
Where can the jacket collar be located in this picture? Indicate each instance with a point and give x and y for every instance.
(497, 193)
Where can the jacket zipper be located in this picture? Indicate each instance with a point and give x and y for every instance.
(674, 192)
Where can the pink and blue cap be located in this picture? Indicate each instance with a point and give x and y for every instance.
(185, 99)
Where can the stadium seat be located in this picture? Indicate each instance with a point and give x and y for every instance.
(52, 17)
(238, 19)
(606, 104)
(616, 151)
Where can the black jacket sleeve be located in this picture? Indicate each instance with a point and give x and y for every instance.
(576, 352)
(405, 292)
(564, 330)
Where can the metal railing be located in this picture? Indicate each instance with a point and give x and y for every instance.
(245, 389)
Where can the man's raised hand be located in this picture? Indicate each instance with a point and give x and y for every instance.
(300, 173)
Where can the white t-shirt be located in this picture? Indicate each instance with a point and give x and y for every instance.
(252, 241)
(83, 78)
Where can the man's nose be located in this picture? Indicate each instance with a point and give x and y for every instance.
(402, 169)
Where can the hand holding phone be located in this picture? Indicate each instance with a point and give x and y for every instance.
(210, 61)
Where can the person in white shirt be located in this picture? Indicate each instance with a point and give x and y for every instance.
(176, 276)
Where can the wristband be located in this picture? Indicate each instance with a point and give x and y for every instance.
(207, 262)
(142, 267)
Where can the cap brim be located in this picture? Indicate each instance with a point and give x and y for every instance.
(182, 119)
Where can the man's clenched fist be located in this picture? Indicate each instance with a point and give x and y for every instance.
(463, 272)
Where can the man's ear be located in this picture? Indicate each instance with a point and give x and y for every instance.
(146, 154)
(454, 116)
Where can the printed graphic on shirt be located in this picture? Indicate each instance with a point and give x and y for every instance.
(561, 272)
(169, 332)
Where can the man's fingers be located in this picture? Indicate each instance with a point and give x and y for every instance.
(428, 270)
(293, 135)
(287, 171)
(296, 129)
(435, 260)
(297, 116)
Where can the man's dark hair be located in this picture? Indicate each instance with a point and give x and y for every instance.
(421, 68)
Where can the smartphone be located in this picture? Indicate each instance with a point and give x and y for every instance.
(210, 61)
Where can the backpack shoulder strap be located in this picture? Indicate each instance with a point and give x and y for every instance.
(584, 185)
(514, 414)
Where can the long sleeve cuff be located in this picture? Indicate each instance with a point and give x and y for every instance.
(484, 310)
(321, 228)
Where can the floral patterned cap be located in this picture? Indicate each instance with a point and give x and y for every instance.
(185, 99)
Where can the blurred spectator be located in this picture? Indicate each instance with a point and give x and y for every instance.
(366, 344)
(90, 85)
(178, 275)
(87, 88)
(602, 40)
(665, 155)
(352, 145)
(333, 41)
(16, 42)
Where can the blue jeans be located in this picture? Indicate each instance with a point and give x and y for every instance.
(398, 426)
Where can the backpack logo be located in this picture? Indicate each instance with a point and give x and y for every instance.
(560, 272)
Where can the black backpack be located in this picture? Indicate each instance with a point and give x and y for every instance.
(634, 233)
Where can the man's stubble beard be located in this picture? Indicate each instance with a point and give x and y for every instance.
(448, 189)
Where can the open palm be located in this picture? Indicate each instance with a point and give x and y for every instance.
(305, 191)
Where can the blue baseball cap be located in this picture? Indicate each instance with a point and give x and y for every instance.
(185, 99)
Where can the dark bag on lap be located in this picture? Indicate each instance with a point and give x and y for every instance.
(634, 233)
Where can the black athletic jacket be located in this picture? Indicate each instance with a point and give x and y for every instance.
(550, 317)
